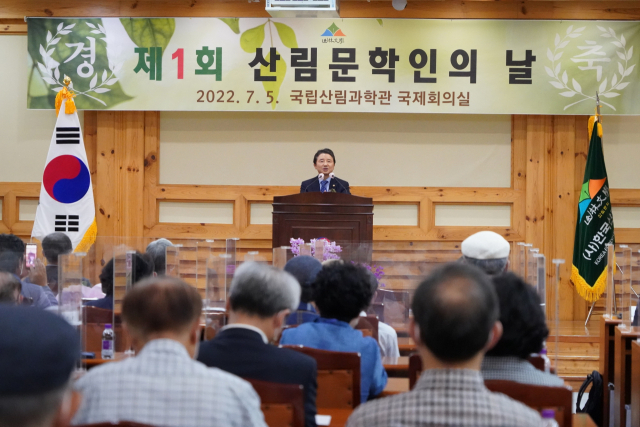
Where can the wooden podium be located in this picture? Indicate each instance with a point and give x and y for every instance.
(342, 218)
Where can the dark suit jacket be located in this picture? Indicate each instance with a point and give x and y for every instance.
(313, 184)
(243, 353)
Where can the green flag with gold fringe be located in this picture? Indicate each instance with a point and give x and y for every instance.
(594, 225)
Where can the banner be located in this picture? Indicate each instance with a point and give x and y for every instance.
(594, 224)
(340, 65)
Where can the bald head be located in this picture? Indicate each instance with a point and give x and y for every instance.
(455, 308)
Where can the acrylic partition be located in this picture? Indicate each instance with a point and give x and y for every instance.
(215, 301)
(518, 262)
(610, 306)
(70, 294)
(541, 280)
(556, 291)
(624, 264)
(531, 262)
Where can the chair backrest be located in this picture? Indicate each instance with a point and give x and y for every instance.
(338, 377)
(282, 404)
(369, 326)
(97, 315)
(415, 369)
(538, 397)
(119, 424)
(95, 319)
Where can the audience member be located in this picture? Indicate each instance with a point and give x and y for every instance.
(387, 336)
(157, 250)
(10, 288)
(486, 250)
(305, 269)
(38, 353)
(142, 268)
(259, 300)
(524, 332)
(455, 320)
(163, 385)
(341, 292)
(54, 245)
(34, 280)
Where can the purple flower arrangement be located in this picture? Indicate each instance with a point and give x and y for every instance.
(331, 250)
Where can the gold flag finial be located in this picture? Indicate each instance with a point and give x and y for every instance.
(65, 93)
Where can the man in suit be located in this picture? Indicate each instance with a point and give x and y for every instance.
(325, 161)
(260, 299)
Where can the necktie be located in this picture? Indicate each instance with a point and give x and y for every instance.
(323, 186)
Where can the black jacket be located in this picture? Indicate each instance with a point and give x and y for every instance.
(242, 352)
(313, 184)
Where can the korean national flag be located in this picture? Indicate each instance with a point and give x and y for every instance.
(66, 197)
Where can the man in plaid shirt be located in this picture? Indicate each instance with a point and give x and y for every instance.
(163, 386)
(455, 321)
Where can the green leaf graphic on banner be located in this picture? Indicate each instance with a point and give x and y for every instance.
(150, 32)
(252, 39)
(380, 22)
(56, 48)
(233, 23)
(287, 35)
(274, 87)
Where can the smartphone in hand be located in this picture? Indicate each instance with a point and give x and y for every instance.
(31, 254)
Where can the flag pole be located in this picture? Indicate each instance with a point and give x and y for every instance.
(593, 304)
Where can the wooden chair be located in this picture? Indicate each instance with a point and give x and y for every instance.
(369, 326)
(538, 397)
(282, 404)
(338, 377)
(415, 369)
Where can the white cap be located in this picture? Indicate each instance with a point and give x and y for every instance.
(485, 245)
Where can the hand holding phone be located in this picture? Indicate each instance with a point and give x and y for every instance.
(30, 254)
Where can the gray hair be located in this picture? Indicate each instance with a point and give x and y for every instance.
(262, 290)
(9, 284)
(32, 410)
(492, 267)
(54, 245)
(158, 252)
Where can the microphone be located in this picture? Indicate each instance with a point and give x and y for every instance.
(305, 188)
(333, 176)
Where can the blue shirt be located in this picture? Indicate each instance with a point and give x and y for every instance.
(305, 313)
(335, 335)
(36, 294)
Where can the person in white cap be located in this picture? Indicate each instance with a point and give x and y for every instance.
(488, 251)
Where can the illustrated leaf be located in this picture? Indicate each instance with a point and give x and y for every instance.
(576, 85)
(60, 25)
(621, 55)
(380, 22)
(621, 69)
(96, 32)
(233, 23)
(54, 41)
(94, 81)
(104, 76)
(49, 80)
(557, 70)
(603, 86)
(622, 85)
(624, 42)
(565, 78)
(613, 33)
(574, 35)
(57, 89)
(557, 85)
(101, 90)
(579, 30)
(563, 44)
(549, 71)
(252, 39)
(610, 94)
(557, 40)
(287, 35)
(42, 51)
(558, 56)
(614, 80)
(111, 81)
(43, 69)
(64, 32)
(567, 94)
(56, 73)
(617, 43)
(91, 25)
(607, 35)
(102, 28)
(150, 32)
(601, 28)
(49, 36)
(70, 26)
(628, 72)
(50, 51)
(630, 53)
(281, 71)
(549, 54)
(569, 29)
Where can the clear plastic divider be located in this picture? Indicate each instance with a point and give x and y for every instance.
(216, 294)
(610, 306)
(541, 280)
(624, 263)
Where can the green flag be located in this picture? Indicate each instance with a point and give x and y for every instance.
(594, 226)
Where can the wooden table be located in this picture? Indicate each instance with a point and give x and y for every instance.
(90, 363)
(396, 366)
(395, 386)
(622, 371)
(339, 417)
(406, 346)
(635, 383)
(607, 360)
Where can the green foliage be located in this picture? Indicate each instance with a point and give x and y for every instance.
(233, 23)
(252, 39)
(149, 32)
(287, 35)
(47, 46)
(281, 71)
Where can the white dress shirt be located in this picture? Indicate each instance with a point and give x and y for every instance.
(164, 387)
(387, 339)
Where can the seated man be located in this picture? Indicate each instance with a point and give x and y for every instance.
(486, 250)
(387, 336)
(524, 332)
(10, 288)
(157, 251)
(305, 269)
(39, 352)
(142, 269)
(163, 385)
(342, 291)
(455, 321)
(54, 245)
(259, 300)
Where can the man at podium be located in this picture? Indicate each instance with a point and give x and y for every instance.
(324, 161)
